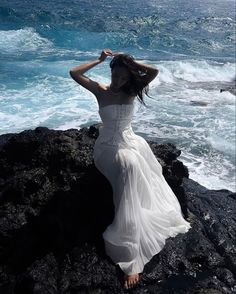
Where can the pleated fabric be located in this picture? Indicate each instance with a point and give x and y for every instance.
(147, 212)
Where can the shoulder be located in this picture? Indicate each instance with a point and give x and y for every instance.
(102, 87)
(102, 91)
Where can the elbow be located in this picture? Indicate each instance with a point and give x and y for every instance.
(71, 72)
(155, 73)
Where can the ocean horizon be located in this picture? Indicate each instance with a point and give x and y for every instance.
(192, 43)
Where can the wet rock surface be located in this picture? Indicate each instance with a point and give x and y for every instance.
(55, 204)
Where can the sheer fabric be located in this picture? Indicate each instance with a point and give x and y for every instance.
(147, 211)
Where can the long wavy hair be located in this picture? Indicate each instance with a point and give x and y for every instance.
(136, 85)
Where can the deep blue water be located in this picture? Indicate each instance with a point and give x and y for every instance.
(191, 42)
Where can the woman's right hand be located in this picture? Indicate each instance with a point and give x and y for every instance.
(104, 54)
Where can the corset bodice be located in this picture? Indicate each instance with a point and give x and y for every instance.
(116, 127)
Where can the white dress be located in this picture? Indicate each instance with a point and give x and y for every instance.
(147, 212)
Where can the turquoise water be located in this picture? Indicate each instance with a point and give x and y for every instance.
(191, 42)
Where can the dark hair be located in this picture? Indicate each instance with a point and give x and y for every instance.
(136, 86)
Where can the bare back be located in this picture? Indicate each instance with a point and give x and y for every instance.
(106, 97)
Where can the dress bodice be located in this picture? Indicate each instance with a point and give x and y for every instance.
(116, 119)
(116, 116)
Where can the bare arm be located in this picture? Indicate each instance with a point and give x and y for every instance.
(149, 72)
(77, 73)
(146, 72)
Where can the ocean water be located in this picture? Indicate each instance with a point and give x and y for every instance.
(192, 43)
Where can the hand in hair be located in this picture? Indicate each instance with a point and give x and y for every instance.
(105, 53)
(144, 71)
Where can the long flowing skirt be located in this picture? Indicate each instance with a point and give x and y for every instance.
(147, 211)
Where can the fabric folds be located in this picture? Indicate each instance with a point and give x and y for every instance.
(147, 212)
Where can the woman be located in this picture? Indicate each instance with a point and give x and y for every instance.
(146, 210)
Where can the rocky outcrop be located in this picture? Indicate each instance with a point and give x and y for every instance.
(55, 204)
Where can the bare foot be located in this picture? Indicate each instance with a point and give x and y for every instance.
(130, 280)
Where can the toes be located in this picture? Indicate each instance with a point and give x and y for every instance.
(126, 285)
(130, 282)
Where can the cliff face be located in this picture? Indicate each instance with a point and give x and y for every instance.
(55, 204)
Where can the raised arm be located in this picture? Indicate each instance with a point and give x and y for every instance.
(149, 72)
(146, 72)
(77, 73)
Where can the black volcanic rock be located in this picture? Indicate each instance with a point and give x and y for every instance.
(55, 204)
